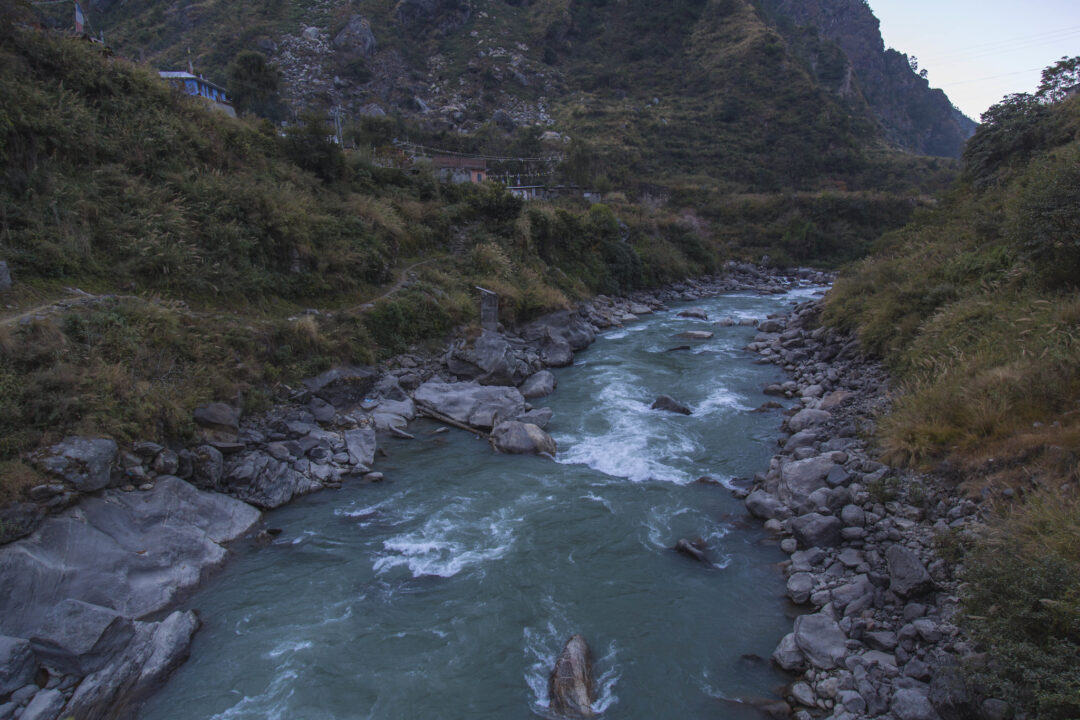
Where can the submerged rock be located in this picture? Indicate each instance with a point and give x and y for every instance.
(670, 404)
(693, 548)
(570, 686)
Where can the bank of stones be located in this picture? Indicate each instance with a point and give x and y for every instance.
(880, 638)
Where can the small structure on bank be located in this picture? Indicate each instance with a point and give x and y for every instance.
(199, 86)
(489, 309)
(460, 169)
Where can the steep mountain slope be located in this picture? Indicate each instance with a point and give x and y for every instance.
(682, 88)
(913, 116)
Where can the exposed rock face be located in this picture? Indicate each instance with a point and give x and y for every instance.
(78, 638)
(356, 37)
(570, 686)
(220, 422)
(264, 481)
(138, 552)
(17, 664)
(914, 116)
(343, 387)
(492, 359)
(84, 462)
(472, 404)
(518, 438)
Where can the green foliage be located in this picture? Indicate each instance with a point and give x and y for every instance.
(254, 84)
(1059, 79)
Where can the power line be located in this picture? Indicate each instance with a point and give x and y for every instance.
(1004, 46)
(994, 77)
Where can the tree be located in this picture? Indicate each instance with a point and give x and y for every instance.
(1058, 79)
(254, 84)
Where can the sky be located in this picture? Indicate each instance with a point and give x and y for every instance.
(979, 51)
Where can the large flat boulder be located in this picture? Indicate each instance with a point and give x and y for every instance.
(135, 552)
(816, 530)
(821, 640)
(78, 638)
(472, 404)
(800, 478)
(84, 462)
(361, 445)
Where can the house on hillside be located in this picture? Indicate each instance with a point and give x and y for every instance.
(460, 169)
(199, 86)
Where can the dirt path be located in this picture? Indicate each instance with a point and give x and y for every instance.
(399, 284)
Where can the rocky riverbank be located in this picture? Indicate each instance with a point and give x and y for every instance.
(880, 638)
(152, 522)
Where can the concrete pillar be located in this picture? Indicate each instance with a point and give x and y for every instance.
(489, 309)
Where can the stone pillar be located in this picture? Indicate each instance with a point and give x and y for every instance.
(489, 310)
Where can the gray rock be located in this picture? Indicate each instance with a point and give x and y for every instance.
(569, 327)
(848, 593)
(693, 548)
(356, 37)
(82, 461)
(851, 701)
(78, 638)
(821, 640)
(220, 422)
(695, 335)
(800, 479)
(344, 387)
(570, 687)
(763, 505)
(803, 694)
(259, 479)
(5, 276)
(538, 385)
(805, 438)
(207, 467)
(133, 552)
(46, 705)
(853, 515)
(17, 664)
(788, 656)
(816, 530)
(799, 587)
(807, 418)
(492, 359)
(994, 709)
(694, 312)
(670, 404)
(156, 650)
(518, 438)
(540, 417)
(912, 704)
(361, 445)
(884, 640)
(478, 406)
(907, 575)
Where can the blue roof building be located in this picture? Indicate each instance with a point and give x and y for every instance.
(199, 86)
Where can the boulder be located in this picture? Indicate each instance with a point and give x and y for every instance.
(670, 404)
(518, 438)
(472, 404)
(538, 385)
(344, 387)
(46, 705)
(17, 664)
(492, 359)
(259, 479)
(219, 422)
(207, 466)
(816, 530)
(361, 445)
(695, 335)
(694, 312)
(800, 479)
(912, 704)
(693, 548)
(568, 326)
(540, 417)
(78, 638)
(799, 587)
(763, 505)
(132, 552)
(84, 462)
(570, 686)
(155, 651)
(821, 640)
(788, 655)
(858, 588)
(807, 418)
(907, 575)
(356, 37)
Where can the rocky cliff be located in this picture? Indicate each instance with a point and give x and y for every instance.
(913, 116)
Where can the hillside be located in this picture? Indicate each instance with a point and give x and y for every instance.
(974, 306)
(702, 87)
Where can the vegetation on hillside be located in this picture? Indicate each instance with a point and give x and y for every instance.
(975, 308)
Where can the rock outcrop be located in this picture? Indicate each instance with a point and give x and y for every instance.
(571, 689)
(472, 404)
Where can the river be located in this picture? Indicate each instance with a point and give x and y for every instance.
(448, 590)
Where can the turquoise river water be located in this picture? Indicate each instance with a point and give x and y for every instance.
(448, 590)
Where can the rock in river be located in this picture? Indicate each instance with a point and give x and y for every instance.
(570, 686)
(670, 404)
(479, 406)
(518, 438)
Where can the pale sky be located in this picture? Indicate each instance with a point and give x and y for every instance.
(978, 51)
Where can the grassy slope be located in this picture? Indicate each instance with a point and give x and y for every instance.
(975, 308)
(216, 233)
